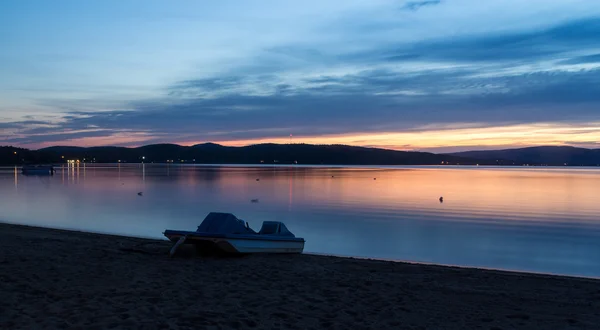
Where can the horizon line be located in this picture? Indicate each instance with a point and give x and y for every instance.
(299, 143)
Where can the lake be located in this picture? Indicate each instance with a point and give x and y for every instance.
(530, 219)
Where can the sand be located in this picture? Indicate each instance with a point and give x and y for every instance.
(53, 279)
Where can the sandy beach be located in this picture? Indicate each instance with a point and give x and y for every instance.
(54, 279)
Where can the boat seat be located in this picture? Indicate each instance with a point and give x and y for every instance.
(275, 228)
(269, 228)
(223, 223)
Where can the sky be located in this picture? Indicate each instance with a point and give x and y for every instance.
(439, 76)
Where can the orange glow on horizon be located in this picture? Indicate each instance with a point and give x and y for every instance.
(489, 137)
(427, 138)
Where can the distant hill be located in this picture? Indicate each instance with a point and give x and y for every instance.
(211, 153)
(14, 155)
(552, 156)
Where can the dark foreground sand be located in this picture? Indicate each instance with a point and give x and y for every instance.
(59, 279)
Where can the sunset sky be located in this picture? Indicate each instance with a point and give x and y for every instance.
(429, 75)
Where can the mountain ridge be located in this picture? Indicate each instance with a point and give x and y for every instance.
(315, 154)
(538, 155)
(267, 153)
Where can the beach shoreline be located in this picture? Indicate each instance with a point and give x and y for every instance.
(56, 278)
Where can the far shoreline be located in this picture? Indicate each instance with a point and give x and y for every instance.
(257, 165)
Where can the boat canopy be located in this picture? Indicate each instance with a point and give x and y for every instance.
(223, 223)
(227, 223)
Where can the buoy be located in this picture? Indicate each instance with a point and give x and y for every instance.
(441, 199)
(254, 200)
(140, 193)
(257, 179)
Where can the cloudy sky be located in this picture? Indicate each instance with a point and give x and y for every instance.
(410, 75)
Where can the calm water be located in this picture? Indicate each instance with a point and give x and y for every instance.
(541, 220)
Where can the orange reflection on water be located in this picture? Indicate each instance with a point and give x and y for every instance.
(520, 194)
(16, 178)
(537, 219)
(470, 193)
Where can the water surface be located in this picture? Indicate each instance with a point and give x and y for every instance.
(531, 219)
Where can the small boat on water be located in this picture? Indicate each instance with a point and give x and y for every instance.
(38, 169)
(224, 232)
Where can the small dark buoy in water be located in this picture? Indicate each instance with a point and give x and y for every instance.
(332, 176)
(441, 199)
(257, 179)
(374, 178)
(254, 200)
(140, 193)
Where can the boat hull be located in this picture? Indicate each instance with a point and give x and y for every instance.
(37, 173)
(242, 244)
(37, 170)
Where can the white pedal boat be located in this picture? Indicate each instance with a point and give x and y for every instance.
(224, 232)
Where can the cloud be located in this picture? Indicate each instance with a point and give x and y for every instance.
(507, 47)
(416, 5)
(588, 59)
(361, 102)
(22, 124)
(10, 125)
(356, 83)
(56, 137)
(205, 84)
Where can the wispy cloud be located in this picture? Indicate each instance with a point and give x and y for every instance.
(416, 5)
(587, 59)
(365, 101)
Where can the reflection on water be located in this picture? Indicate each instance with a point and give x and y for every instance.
(543, 220)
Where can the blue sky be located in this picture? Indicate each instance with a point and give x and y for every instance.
(416, 75)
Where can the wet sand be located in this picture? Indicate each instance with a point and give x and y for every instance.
(57, 279)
